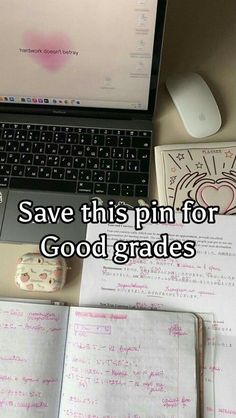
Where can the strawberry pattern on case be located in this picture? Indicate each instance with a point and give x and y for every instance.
(36, 273)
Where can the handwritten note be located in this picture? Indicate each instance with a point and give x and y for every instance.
(125, 364)
(205, 283)
(32, 345)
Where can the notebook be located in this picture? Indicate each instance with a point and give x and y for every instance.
(77, 94)
(57, 361)
(205, 173)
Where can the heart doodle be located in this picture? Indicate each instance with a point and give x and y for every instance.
(221, 195)
(48, 49)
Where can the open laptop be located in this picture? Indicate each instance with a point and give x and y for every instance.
(78, 84)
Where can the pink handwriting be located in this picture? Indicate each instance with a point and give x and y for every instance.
(175, 402)
(132, 285)
(101, 315)
(42, 316)
(13, 358)
(227, 411)
(23, 404)
(176, 331)
(84, 329)
(49, 381)
(178, 290)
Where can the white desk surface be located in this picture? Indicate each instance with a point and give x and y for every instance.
(200, 36)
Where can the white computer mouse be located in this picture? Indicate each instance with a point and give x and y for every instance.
(195, 103)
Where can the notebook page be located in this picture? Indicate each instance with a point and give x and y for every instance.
(126, 364)
(205, 283)
(32, 345)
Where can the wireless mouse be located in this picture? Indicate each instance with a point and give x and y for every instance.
(195, 103)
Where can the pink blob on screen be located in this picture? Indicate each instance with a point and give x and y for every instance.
(36, 40)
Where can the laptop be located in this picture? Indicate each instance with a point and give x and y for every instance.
(78, 83)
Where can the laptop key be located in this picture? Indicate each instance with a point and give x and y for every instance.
(44, 185)
(144, 166)
(60, 137)
(127, 190)
(51, 149)
(40, 160)
(117, 153)
(85, 187)
(78, 150)
(3, 157)
(111, 177)
(92, 163)
(53, 161)
(90, 151)
(111, 141)
(145, 133)
(114, 189)
(4, 181)
(133, 165)
(21, 135)
(26, 159)
(98, 176)
(100, 188)
(18, 170)
(38, 148)
(130, 154)
(2, 145)
(104, 152)
(141, 191)
(72, 138)
(98, 140)
(45, 172)
(25, 147)
(79, 162)
(31, 171)
(12, 146)
(119, 165)
(66, 162)
(13, 158)
(133, 178)
(64, 150)
(106, 164)
(85, 139)
(143, 142)
(85, 175)
(58, 173)
(124, 141)
(33, 136)
(143, 154)
(46, 136)
(5, 170)
(8, 134)
(71, 174)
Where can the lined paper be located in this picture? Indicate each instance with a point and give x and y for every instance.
(205, 283)
(32, 344)
(126, 364)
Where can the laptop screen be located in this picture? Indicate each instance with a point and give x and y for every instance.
(80, 53)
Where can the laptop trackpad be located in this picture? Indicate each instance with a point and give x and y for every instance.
(14, 231)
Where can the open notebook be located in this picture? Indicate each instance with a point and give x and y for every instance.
(59, 362)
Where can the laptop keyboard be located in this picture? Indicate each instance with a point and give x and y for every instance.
(75, 159)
